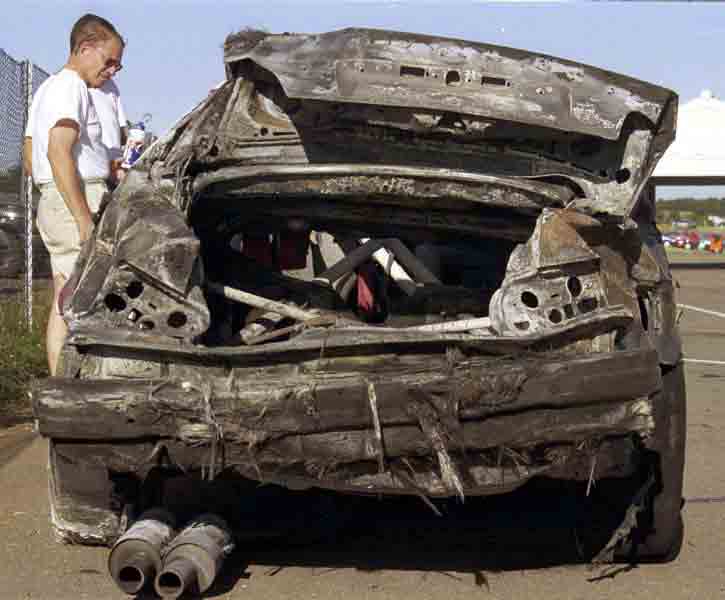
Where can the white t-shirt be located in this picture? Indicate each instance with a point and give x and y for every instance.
(107, 101)
(65, 96)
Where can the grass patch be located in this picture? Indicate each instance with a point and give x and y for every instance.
(22, 351)
(680, 255)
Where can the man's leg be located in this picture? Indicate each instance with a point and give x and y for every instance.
(57, 329)
(60, 234)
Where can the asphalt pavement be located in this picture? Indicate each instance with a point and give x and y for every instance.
(490, 549)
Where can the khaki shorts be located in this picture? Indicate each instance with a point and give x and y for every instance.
(57, 226)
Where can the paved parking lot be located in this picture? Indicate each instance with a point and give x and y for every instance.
(489, 549)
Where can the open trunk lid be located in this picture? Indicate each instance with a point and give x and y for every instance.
(602, 131)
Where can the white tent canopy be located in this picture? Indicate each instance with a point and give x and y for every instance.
(697, 156)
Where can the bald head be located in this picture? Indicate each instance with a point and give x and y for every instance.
(96, 50)
(92, 29)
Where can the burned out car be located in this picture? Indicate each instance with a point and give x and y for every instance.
(379, 263)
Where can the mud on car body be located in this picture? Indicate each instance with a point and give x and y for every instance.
(380, 263)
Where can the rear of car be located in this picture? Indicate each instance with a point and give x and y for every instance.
(379, 263)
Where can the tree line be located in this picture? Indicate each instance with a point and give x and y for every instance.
(690, 209)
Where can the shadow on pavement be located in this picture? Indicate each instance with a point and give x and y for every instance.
(698, 265)
(542, 525)
(14, 439)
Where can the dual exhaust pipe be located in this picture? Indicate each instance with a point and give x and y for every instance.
(151, 552)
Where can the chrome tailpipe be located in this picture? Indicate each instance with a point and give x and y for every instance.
(135, 558)
(193, 558)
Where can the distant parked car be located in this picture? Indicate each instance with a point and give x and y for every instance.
(668, 238)
(686, 239)
(711, 242)
(12, 245)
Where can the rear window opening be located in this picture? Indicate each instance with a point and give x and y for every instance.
(356, 275)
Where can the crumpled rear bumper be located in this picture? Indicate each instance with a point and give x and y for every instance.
(464, 426)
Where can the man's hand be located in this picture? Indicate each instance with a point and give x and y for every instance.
(85, 228)
(61, 139)
(117, 172)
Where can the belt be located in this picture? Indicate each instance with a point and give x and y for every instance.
(89, 181)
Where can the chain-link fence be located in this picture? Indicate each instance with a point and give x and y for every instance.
(39, 76)
(12, 120)
(22, 254)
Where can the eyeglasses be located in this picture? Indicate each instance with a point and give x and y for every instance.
(110, 63)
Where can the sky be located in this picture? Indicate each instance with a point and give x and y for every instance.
(174, 51)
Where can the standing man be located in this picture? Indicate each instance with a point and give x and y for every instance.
(114, 129)
(70, 163)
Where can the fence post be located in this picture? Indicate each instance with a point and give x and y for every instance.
(27, 188)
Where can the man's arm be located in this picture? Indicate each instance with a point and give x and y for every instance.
(28, 156)
(124, 135)
(61, 139)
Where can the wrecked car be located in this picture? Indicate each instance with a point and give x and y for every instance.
(378, 263)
